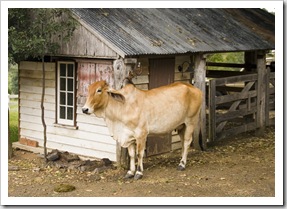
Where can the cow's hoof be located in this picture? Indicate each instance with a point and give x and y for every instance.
(180, 168)
(138, 176)
(129, 175)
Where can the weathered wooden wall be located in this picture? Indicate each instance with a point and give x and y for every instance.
(85, 44)
(88, 73)
(142, 81)
(89, 138)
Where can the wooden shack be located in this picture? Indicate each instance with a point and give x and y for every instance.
(158, 46)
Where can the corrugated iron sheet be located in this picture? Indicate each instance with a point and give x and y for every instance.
(173, 31)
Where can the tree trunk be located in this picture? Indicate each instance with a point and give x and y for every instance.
(43, 110)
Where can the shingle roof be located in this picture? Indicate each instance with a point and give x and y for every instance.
(175, 31)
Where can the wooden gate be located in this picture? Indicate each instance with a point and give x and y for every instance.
(270, 98)
(241, 116)
(161, 72)
(244, 104)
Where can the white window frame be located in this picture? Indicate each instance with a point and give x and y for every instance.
(65, 121)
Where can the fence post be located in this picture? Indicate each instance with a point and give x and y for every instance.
(212, 110)
(267, 108)
(199, 82)
(261, 92)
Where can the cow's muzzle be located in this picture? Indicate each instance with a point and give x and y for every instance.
(85, 110)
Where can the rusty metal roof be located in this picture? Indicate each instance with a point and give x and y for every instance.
(175, 31)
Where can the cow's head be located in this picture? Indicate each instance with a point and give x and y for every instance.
(98, 96)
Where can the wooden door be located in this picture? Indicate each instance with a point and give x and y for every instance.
(161, 72)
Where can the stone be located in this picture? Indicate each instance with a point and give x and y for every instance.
(64, 188)
(53, 156)
(13, 168)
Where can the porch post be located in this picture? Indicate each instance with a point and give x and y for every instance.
(199, 82)
(261, 91)
(122, 69)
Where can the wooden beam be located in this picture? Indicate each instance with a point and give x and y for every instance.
(235, 79)
(261, 88)
(233, 114)
(267, 97)
(236, 130)
(235, 97)
(199, 82)
(235, 65)
(212, 110)
(223, 73)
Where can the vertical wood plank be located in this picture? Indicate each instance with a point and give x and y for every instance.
(261, 95)
(267, 108)
(199, 82)
(212, 109)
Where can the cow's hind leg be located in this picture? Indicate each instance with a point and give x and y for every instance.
(186, 139)
(131, 172)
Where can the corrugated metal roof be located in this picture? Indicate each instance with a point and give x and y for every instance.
(174, 31)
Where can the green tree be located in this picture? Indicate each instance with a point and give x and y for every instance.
(230, 57)
(13, 79)
(34, 33)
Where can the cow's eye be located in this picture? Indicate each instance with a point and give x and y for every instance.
(99, 90)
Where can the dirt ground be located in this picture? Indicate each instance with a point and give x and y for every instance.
(241, 166)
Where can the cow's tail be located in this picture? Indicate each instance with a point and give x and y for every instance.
(199, 127)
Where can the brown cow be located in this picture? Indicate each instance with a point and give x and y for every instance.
(131, 114)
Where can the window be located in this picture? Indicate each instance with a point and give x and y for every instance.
(66, 93)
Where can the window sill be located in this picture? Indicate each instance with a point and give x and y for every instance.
(66, 126)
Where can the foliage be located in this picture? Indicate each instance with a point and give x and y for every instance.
(13, 120)
(13, 79)
(33, 33)
(231, 57)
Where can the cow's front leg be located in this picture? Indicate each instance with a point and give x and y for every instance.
(131, 172)
(140, 154)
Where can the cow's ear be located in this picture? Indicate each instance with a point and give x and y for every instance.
(116, 96)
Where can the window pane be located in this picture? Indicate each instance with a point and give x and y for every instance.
(70, 99)
(62, 69)
(63, 98)
(62, 112)
(66, 96)
(70, 84)
(70, 70)
(70, 113)
(63, 84)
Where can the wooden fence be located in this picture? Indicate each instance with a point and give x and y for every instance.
(239, 110)
(270, 98)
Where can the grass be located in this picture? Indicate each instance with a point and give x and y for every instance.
(13, 120)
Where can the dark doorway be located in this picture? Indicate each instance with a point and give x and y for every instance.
(161, 72)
